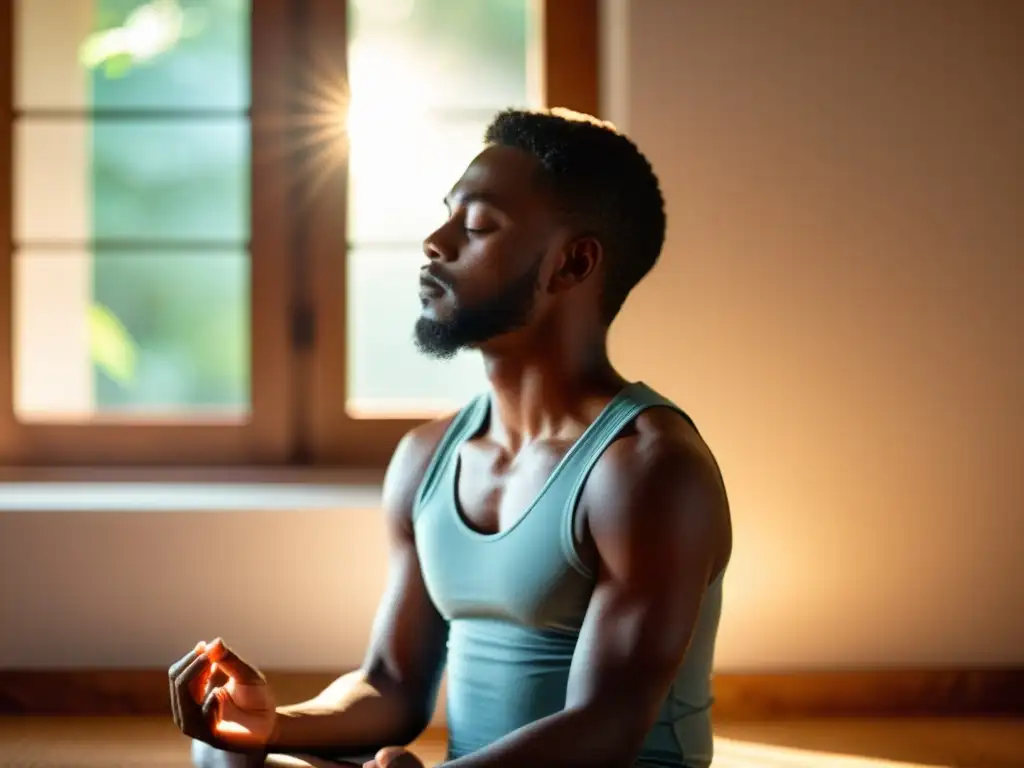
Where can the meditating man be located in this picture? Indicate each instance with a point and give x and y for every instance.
(558, 545)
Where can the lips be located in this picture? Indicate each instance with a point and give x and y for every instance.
(430, 285)
(430, 288)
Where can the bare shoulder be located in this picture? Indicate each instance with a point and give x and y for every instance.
(407, 467)
(660, 470)
(660, 447)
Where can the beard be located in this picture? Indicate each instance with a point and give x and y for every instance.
(468, 326)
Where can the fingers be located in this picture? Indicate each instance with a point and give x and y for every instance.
(232, 664)
(217, 678)
(209, 686)
(185, 682)
(189, 711)
(197, 685)
(174, 672)
(175, 712)
(212, 706)
(394, 757)
(179, 666)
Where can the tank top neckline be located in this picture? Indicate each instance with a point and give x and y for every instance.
(483, 409)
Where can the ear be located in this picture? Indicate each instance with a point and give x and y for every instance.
(580, 259)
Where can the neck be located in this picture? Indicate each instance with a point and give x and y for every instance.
(541, 386)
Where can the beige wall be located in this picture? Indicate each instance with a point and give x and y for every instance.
(136, 588)
(839, 307)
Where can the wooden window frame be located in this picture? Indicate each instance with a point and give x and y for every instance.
(298, 272)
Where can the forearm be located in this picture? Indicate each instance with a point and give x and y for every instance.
(354, 714)
(581, 738)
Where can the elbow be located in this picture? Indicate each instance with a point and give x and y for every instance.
(622, 754)
(412, 706)
(413, 733)
(416, 721)
(409, 721)
(626, 736)
(621, 740)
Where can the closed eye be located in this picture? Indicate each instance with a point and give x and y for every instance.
(477, 231)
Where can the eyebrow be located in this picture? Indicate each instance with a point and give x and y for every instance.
(473, 197)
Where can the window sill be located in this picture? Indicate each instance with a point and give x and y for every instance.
(186, 490)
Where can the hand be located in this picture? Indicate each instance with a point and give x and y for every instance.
(394, 757)
(219, 699)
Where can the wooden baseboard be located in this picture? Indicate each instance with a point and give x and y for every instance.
(114, 692)
(870, 693)
(911, 693)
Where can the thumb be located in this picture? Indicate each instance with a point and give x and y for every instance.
(227, 709)
(233, 724)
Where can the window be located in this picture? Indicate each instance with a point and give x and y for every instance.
(210, 209)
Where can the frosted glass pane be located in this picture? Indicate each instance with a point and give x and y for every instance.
(388, 375)
(397, 183)
(135, 335)
(453, 53)
(426, 76)
(140, 180)
(184, 54)
(410, 65)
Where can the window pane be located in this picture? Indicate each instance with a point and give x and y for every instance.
(426, 76)
(141, 180)
(183, 54)
(136, 334)
(389, 376)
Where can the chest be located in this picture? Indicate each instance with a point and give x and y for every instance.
(495, 489)
(494, 541)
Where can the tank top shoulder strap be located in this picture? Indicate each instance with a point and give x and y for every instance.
(567, 485)
(467, 422)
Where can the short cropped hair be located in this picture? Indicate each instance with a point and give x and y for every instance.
(603, 181)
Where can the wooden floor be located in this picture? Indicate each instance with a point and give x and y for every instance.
(982, 743)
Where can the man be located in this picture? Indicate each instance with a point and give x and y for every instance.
(560, 542)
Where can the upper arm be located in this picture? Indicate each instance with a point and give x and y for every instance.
(660, 526)
(407, 642)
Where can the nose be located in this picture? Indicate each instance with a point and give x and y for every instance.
(435, 248)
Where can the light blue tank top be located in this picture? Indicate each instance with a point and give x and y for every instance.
(515, 600)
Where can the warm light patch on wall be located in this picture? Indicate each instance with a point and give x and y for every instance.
(743, 754)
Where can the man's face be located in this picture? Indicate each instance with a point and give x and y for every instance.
(487, 261)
